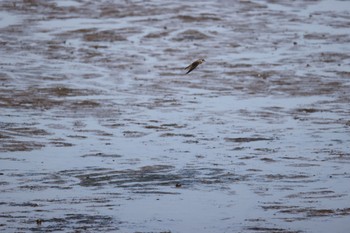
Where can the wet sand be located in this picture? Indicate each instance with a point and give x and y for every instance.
(102, 131)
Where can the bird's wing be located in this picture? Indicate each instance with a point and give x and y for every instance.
(187, 67)
(191, 68)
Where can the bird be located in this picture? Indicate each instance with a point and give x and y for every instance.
(194, 65)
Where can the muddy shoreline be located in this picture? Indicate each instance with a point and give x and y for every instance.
(101, 130)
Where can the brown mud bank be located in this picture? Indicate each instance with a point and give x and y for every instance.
(101, 130)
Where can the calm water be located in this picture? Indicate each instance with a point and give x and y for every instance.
(101, 130)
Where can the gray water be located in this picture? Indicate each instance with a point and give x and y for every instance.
(102, 131)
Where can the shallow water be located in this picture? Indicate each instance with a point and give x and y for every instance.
(102, 131)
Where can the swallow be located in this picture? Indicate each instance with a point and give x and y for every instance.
(194, 65)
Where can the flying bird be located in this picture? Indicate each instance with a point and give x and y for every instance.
(194, 65)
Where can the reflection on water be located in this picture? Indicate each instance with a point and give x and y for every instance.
(101, 130)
